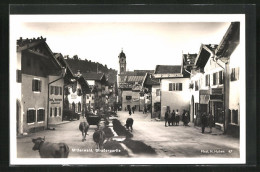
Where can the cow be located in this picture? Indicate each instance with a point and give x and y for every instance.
(83, 127)
(50, 150)
(129, 123)
(99, 137)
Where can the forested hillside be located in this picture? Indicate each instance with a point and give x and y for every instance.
(88, 66)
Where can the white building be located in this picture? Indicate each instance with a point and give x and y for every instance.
(174, 87)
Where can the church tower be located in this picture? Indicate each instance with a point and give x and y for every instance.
(122, 63)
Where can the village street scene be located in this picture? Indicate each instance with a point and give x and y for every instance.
(70, 106)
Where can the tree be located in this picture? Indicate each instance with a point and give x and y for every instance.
(75, 57)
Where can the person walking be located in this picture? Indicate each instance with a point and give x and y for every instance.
(166, 118)
(173, 117)
(203, 122)
(186, 119)
(133, 109)
(211, 122)
(130, 113)
(177, 117)
(183, 117)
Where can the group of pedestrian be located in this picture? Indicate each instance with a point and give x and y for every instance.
(172, 118)
(206, 120)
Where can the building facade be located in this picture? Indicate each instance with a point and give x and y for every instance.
(174, 88)
(36, 69)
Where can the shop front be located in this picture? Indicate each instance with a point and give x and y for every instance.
(217, 107)
(204, 96)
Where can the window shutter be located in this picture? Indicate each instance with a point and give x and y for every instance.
(43, 114)
(174, 86)
(34, 115)
(60, 90)
(28, 116)
(18, 76)
(170, 86)
(33, 85)
(180, 86)
(40, 86)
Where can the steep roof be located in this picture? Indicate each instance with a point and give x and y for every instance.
(165, 69)
(204, 54)
(149, 80)
(93, 76)
(229, 41)
(189, 59)
(37, 46)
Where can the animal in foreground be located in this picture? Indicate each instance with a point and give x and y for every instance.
(83, 127)
(129, 123)
(50, 150)
(99, 137)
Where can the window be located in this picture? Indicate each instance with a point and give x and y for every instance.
(220, 77)
(214, 78)
(40, 115)
(234, 74)
(60, 90)
(36, 85)
(56, 90)
(157, 92)
(178, 86)
(175, 86)
(171, 86)
(128, 97)
(87, 96)
(52, 89)
(18, 76)
(31, 115)
(55, 111)
(50, 112)
(207, 80)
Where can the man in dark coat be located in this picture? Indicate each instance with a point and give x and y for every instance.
(133, 109)
(203, 122)
(130, 113)
(173, 117)
(211, 122)
(166, 118)
(183, 117)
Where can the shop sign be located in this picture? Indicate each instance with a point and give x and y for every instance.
(216, 97)
(216, 91)
(204, 92)
(55, 101)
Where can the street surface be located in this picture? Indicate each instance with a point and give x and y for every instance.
(180, 141)
(172, 141)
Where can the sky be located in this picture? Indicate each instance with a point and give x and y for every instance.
(146, 44)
